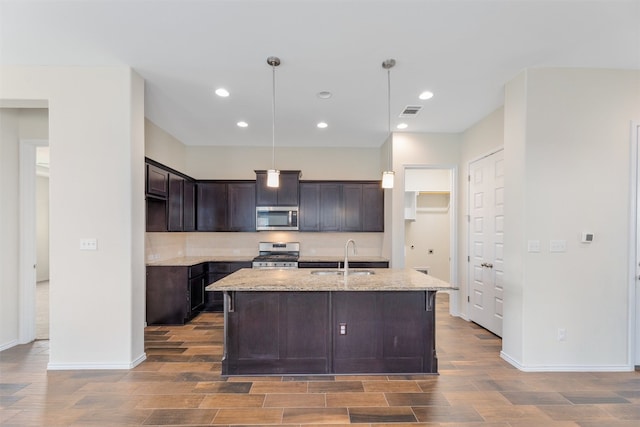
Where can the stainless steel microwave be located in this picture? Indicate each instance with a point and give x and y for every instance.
(276, 218)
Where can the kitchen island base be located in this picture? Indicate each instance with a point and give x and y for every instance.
(329, 332)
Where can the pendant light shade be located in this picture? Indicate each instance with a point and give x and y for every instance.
(273, 175)
(388, 175)
(273, 178)
(387, 179)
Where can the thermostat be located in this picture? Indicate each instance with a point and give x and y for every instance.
(586, 237)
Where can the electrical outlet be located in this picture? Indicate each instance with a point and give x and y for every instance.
(562, 334)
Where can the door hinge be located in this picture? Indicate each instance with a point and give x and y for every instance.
(468, 258)
(468, 298)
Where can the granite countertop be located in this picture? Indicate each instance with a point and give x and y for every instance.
(383, 279)
(187, 261)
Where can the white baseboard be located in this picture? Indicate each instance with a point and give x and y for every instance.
(566, 368)
(8, 345)
(96, 366)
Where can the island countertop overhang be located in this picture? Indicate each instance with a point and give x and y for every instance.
(300, 280)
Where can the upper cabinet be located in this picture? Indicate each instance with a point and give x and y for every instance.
(157, 181)
(341, 206)
(286, 194)
(226, 206)
(170, 199)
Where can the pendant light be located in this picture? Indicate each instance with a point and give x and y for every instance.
(273, 175)
(388, 175)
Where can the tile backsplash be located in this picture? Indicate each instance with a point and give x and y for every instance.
(161, 246)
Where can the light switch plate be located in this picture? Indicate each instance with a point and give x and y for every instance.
(533, 246)
(557, 246)
(88, 244)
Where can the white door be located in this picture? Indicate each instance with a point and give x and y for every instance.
(486, 213)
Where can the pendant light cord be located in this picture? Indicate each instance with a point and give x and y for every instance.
(273, 119)
(389, 115)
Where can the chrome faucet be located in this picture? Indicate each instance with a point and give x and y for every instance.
(346, 255)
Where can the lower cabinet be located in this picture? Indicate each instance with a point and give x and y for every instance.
(215, 272)
(175, 294)
(329, 333)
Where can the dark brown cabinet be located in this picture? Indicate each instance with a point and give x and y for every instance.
(241, 206)
(157, 181)
(287, 194)
(174, 294)
(278, 332)
(226, 206)
(341, 206)
(329, 333)
(189, 206)
(170, 199)
(215, 272)
(211, 206)
(175, 202)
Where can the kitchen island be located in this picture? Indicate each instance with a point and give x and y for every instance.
(321, 322)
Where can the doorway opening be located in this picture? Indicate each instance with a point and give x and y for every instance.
(34, 241)
(430, 223)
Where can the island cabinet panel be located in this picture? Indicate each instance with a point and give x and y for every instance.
(337, 332)
(384, 332)
(277, 333)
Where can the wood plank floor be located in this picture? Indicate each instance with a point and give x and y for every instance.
(180, 384)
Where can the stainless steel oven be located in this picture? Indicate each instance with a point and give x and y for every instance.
(277, 255)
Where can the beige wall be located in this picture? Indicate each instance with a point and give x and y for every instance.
(484, 137)
(162, 147)
(567, 145)
(315, 163)
(96, 137)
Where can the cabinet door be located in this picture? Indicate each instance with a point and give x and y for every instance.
(211, 206)
(385, 332)
(157, 181)
(265, 196)
(242, 206)
(309, 214)
(175, 202)
(167, 295)
(156, 214)
(372, 207)
(351, 207)
(189, 206)
(288, 192)
(330, 209)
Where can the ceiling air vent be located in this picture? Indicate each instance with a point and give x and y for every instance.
(411, 111)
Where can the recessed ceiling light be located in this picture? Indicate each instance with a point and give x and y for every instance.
(325, 94)
(242, 124)
(322, 125)
(402, 126)
(222, 92)
(426, 95)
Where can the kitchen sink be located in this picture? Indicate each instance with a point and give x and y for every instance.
(341, 272)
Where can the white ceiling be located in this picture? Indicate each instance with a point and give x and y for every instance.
(463, 51)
